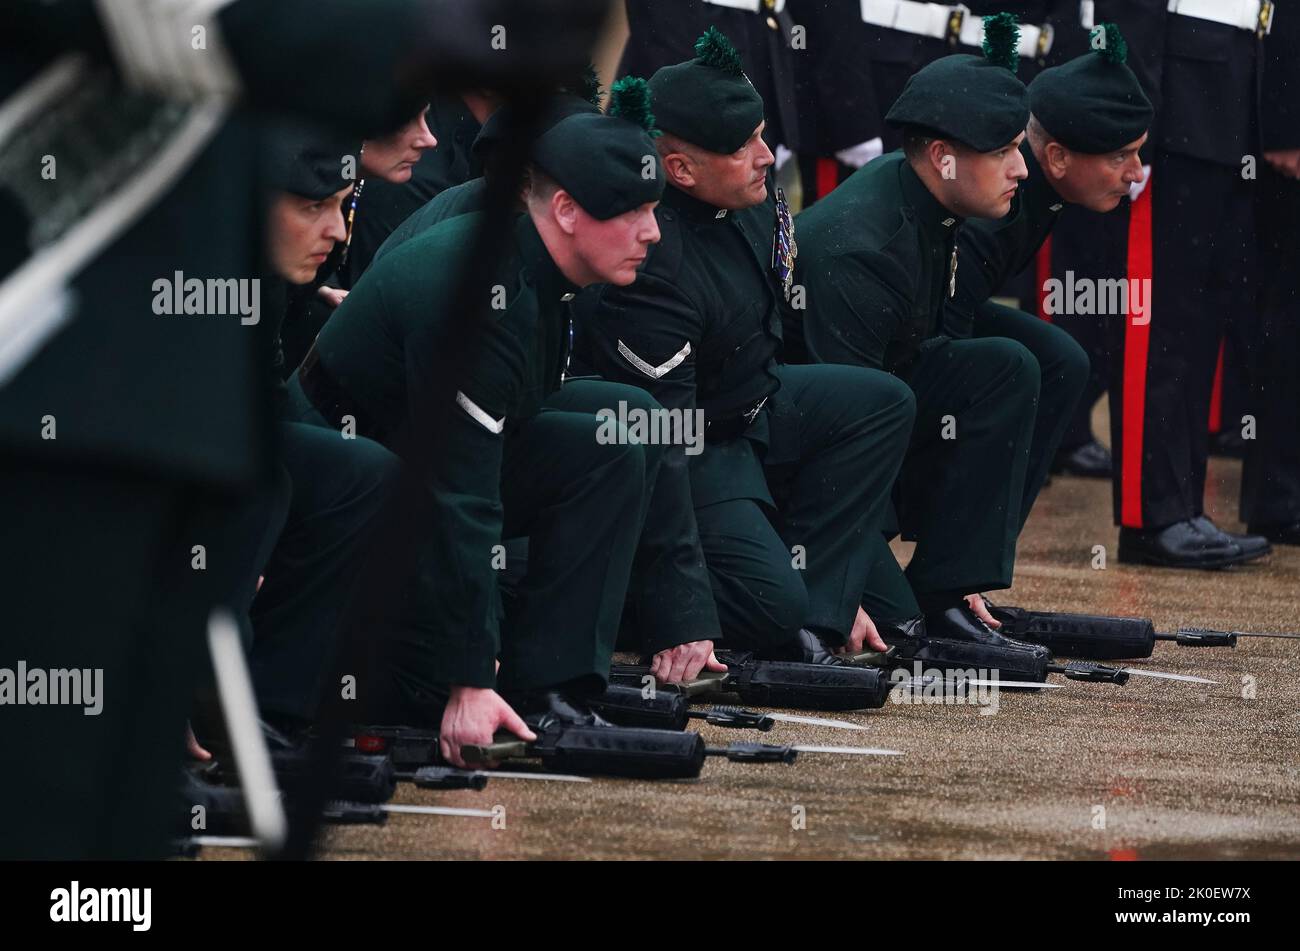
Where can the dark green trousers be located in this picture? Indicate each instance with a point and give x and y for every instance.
(963, 481)
(834, 441)
(336, 488)
(1063, 368)
(581, 504)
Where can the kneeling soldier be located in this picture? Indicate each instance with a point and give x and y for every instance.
(795, 470)
(507, 465)
(879, 264)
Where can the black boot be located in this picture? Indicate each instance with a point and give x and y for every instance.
(1091, 460)
(961, 624)
(1280, 533)
(539, 707)
(1252, 546)
(806, 648)
(1180, 545)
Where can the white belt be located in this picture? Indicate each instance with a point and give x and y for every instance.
(941, 22)
(1253, 15)
(753, 6)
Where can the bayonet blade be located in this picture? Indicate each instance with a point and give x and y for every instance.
(850, 750)
(816, 721)
(438, 811)
(1162, 675)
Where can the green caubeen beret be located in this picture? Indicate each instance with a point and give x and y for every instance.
(975, 100)
(607, 162)
(1093, 103)
(708, 101)
(309, 162)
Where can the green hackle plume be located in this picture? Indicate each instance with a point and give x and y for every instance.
(715, 50)
(1113, 45)
(630, 99)
(1002, 40)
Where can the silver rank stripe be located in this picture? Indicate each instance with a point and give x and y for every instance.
(649, 369)
(479, 415)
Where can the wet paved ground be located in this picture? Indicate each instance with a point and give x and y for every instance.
(1151, 770)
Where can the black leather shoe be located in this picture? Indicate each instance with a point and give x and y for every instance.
(549, 706)
(961, 624)
(1091, 461)
(807, 648)
(1180, 545)
(1279, 534)
(907, 637)
(1252, 546)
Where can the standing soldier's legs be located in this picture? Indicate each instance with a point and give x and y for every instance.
(1270, 486)
(1189, 235)
(1063, 369)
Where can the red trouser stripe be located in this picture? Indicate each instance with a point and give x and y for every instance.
(1216, 395)
(828, 176)
(1137, 339)
(1043, 270)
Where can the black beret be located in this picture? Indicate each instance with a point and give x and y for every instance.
(1094, 103)
(966, 98)
(306, 161)
(708, 101)
(608, 164)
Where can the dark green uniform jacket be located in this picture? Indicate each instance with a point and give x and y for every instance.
(458, 200)
(875, 259)
(989, 252)
(379, 348)
(701, 327)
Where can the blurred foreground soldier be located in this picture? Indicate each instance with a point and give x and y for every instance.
(1270, 485)
(880, 264)
(130, 432)
(792, 476)
(1088, 120)
(513, 463)
(1192, 242)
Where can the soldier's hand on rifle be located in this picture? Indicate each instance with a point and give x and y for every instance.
(192, 746)
(981, 610)
(864, 633)
(684, 662)
(473, 715)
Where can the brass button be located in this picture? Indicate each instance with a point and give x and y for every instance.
(772, 24)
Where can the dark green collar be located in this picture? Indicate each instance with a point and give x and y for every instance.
(937, 220)
(691, 208)
(552, 286)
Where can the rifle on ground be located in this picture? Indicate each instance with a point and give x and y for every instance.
(771, 683)
(1102, 637)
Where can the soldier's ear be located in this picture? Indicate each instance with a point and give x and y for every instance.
(679, 169)
(564, 210)
(1057, 160)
